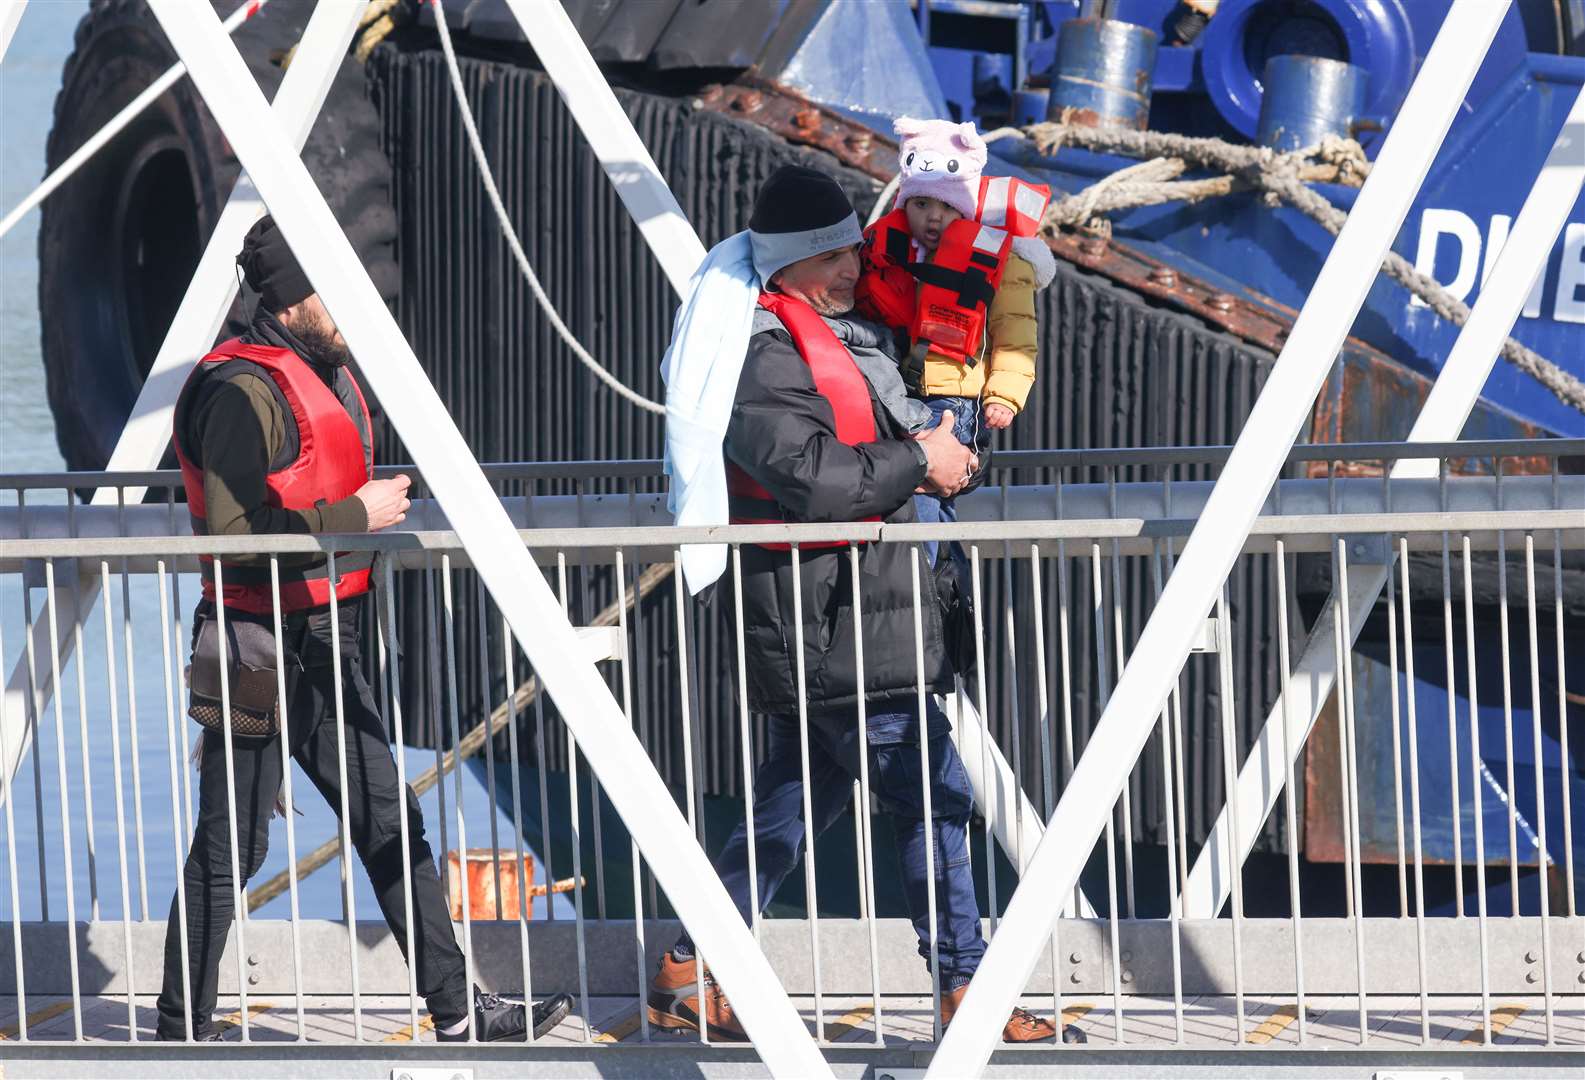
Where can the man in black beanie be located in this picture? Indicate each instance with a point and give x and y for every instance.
(822, 430)
(273, 436)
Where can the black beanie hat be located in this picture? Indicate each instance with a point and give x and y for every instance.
(270, 267)
(799, 212)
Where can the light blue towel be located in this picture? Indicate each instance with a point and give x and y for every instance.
(709, 342)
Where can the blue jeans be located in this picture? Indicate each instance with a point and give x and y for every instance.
(895, 782)
(966, 425)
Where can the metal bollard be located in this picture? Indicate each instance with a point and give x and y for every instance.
(1104, 72)
(1307, 98)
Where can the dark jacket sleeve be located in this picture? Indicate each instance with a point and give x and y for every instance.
(783, 434)
(240, 429)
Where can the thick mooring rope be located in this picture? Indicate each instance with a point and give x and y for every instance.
(1281, 177)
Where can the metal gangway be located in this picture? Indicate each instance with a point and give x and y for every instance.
(1177, 991)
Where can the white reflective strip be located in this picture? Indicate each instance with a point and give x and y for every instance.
(1029, 202)
(989, 240)
(994, 209)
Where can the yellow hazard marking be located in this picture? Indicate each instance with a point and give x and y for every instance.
(406, 1034)
(1501, 1017)
(235, 1019)
(48, 1012)
(619, 1030)
(846, 1023)
(1274, 1025)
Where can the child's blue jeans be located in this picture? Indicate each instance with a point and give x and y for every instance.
(970, 432)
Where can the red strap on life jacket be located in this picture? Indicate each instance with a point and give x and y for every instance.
(956, 288)
(838, 379)
(332, 463)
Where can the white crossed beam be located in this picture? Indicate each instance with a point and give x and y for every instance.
(592, 714)
(1214, 546)
(1453, 396)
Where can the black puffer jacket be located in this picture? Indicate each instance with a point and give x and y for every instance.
(783, 434)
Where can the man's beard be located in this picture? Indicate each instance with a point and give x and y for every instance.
(322, 346)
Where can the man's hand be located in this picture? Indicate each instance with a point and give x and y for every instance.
(949, 463)
(998, 417)
(385, 501)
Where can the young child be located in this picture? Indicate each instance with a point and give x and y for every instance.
(956, 264)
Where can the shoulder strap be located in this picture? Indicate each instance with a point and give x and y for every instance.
(836, 376)
(211, 375)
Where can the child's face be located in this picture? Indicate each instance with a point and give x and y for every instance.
(927, 219)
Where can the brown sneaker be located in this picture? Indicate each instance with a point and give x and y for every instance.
(1022, 1026)
(674, 1001)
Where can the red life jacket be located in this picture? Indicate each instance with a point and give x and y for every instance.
(1006, 202)
(944, 301)
(838, 379)
(332, 461)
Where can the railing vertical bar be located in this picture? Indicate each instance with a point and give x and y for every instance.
(1510, 791)
(1047, 754)
(1065, 661)
(515, 769)
(594, 781)
(1235, 868)
(1475, 766)
(176, 763)
(811, 893)
(1397, 746)
(8, 795)
(448, 617)
(991, 804)
(577, 830)
(481, 605)
(388, 648)
(924, 781)
(1121, 652)
(640, 959)
(431, 650)
(1103, 688)
(233, 812)
(1180, 772)
(1414, 787)
(132, 710)
(120, 795)
(1174, 893)
(1562, 709)
(349, 902)
(1452, 699)
(746, 739)
(80, 667)
(1014, 704)
(866, 826)
(1350, 752)
(1542, 855)
(284, 741)
(542, 763)
(679, 596)
(641, 720)
(65, 809)
(36, 723)
(181, 696)
(1340, 659)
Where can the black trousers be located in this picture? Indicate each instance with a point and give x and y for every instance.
(374, 801)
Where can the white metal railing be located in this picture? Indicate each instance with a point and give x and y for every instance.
(1441, 531)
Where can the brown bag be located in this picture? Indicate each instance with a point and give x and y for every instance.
(253, 685)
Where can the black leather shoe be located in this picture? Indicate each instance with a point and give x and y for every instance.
(212, 1035)
(501, 1018)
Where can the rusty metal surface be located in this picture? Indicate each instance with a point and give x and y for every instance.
(806, 123)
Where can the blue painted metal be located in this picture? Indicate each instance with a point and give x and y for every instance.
(1029, 106)
(1308, 98)
(1103, 73)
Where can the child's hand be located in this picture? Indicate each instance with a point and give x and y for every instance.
(998, 417)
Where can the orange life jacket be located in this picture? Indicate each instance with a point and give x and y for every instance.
(332, 462)
(838, 379)
(946, 300)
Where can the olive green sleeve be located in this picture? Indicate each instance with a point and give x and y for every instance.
(240, 430)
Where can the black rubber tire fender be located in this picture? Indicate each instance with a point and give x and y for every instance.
(119, 241)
